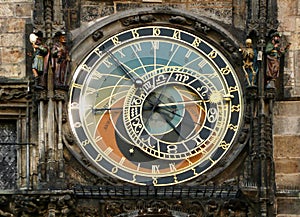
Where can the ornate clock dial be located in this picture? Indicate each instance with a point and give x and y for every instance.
(155, 106)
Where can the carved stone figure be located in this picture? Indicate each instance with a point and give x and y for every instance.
(60, 60)
(39, 59)
(274, 52)
(249, 62)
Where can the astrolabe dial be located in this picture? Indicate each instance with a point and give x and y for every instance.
(155, 105)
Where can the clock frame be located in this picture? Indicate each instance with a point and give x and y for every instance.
(136, 161)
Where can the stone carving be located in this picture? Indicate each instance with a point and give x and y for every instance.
(138, 19)
(8, 94)
(201, 27)
(40, 57)
(274, 52)
(60, 60)
(4, 202)
(168, 208)
(97, 35)
(179, 20)
(43, 205)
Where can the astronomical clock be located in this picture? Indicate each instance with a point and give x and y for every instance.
(155, 105)
(145, 112)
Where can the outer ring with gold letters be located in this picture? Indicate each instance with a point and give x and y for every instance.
(199, 99)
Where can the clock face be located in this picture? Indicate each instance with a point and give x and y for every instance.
(155, 106)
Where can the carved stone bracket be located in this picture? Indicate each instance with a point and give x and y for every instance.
(177, 207)
(63, 204)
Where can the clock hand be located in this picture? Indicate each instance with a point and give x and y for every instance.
(178, 103)
(100, 110)
(171, 125)
(137, 81)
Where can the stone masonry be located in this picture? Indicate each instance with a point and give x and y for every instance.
(15, 13)
(13, 16)
(287, 155)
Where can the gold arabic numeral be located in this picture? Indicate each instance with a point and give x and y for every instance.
(114, 170)
(98, 52)
(224, 145)
(154, 181)
(213, 54)
(233, 127)
(156, 31)
(175, 179)
(177, 34)
(233, 89)
(226, 70)
(196, 42)
(99, 158)
(235, 108)
(115, 40)
(135, 33)
(134, 177)
(84, 143)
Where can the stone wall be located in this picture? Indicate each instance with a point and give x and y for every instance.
(13, 16)
(289, 20)
(218, 10)
(287, 156)
(287, 115)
